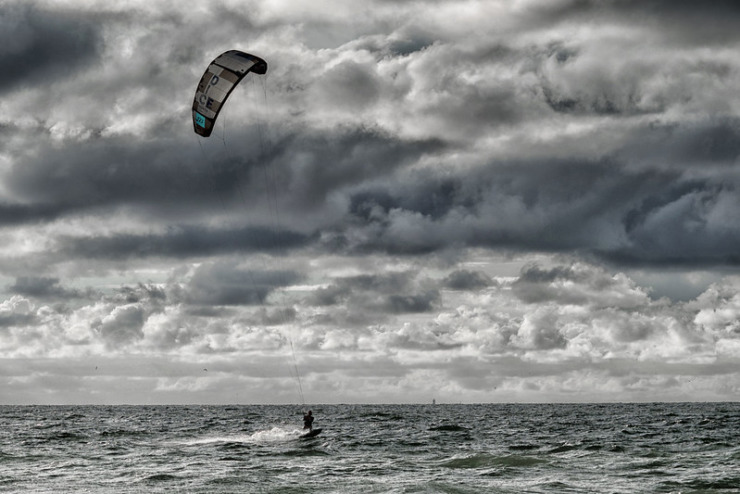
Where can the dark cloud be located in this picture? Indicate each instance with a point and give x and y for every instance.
(709, 142)
(404, 304)
(181, 242)
(535, 274)
(44, 45)
(15, 214)
(351, 85)
(343, 159)
(711, 23)
(331, 295)
(110, 172)
(694, 21)
(411, 43)
(395, 293)
(562, 203)
(277, 316)
(142, 292)
(426, 192)
(223, 283)
(652, 215)
(381, 283)
(577, 284)
(467, 280)
(8, 320)
(165, 180)
(45, 288)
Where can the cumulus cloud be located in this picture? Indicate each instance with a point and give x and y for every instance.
(587, 323)
(122, 325)
(16, 311)
(578, 285)
(409, 196)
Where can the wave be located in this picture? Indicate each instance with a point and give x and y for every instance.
(483, 460)
(449, 428)
(378, 416)
(523, 447)
(304, 452)
(160, 477)
(564, 448)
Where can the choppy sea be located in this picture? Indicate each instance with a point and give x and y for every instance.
(522, 448)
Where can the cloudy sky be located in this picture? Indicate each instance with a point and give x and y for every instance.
(472, 201)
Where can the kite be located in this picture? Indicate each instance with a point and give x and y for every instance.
(217, 83)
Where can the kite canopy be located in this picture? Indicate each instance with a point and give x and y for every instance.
(219, 79)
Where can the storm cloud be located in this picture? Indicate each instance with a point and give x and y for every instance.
(478, 201)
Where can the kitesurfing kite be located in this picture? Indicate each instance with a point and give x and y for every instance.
(219, 79)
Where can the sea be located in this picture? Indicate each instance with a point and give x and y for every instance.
(442, 448)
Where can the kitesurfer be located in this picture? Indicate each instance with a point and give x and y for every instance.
(308, 421)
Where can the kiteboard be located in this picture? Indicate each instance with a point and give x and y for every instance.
(312, 433)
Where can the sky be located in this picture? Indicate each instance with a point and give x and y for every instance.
(466, 201)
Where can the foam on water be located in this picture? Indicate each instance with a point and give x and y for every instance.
(276, 434)
(272, 435)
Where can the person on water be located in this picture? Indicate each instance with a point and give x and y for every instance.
(308, 421)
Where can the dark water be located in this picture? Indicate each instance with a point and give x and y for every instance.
(615, 448)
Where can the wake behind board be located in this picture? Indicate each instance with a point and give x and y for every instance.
(312, 433)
